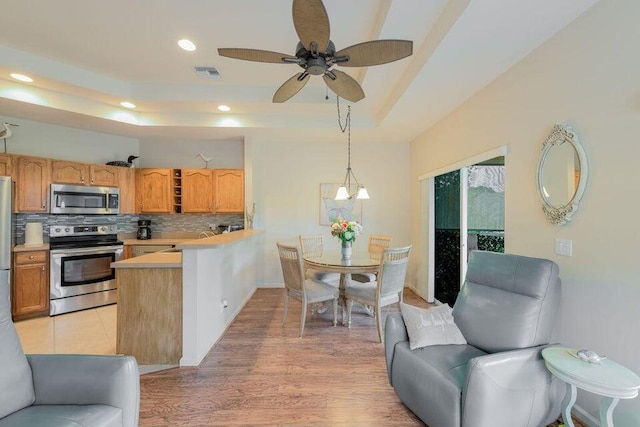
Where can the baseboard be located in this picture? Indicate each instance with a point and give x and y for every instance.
(416, 291)
(271, 285)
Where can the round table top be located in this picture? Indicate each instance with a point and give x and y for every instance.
(334, 259)
(606, 378)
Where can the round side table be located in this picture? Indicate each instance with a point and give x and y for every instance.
(607, 379)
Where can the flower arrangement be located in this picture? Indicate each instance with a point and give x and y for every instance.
(347, 231)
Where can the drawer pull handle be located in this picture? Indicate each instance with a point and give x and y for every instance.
(31, 257)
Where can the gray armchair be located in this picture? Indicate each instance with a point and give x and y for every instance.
(63, 390)
(506, 311)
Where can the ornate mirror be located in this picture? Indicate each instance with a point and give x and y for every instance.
(562, 174)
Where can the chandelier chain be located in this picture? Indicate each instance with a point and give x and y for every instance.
(345, 128)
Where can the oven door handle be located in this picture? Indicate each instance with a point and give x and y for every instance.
(95, 250)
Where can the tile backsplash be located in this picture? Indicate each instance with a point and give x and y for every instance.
(126, 223)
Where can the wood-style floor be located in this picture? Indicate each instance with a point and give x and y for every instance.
(261, 373)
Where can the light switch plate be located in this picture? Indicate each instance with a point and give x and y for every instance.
(564, 247)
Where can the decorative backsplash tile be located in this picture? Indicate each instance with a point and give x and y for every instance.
(126, 223)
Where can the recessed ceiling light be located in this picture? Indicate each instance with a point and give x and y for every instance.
(22, 77)
(224, 108)
(127, 104)
(187, 45)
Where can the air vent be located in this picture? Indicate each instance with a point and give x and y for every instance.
(207, 72)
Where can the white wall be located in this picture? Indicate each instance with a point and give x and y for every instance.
(587, 75)
(65, 143)
(286, 189)
(174, 153)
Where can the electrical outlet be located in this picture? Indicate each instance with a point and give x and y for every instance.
(564, 247)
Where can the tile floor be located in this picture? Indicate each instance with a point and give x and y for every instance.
(90, 331)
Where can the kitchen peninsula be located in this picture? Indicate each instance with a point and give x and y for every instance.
(202, 284)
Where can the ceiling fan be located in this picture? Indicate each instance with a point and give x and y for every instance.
(316, 54)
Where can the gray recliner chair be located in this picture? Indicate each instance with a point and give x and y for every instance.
(506, 310)
(63, 390)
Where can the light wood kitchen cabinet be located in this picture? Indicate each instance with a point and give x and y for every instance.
(127, 185)
(229, 190)
(32, 184)
(6, 165)
(30, 296)
(154, 191)
(65, 172)
(104, 175)
(197, 190)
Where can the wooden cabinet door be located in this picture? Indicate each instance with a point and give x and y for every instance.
(153, 190)
(127, 185)
(32, 184)
(229, 190)
(30, 284)
(64, 172)
(105, 175)
(197, 190)
(6, 165)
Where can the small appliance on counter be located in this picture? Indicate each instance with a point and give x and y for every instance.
(33, 234)
(144, 229)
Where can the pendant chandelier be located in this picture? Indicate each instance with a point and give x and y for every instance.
(348, 190)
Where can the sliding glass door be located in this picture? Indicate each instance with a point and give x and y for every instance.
(468, 215)
(447, 236)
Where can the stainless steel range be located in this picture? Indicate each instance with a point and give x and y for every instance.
(81, 273)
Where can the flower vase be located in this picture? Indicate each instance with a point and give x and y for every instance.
(346, 249)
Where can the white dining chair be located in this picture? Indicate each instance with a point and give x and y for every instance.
(386, 290)
(377, 245)
(297, 286)
(313, 245)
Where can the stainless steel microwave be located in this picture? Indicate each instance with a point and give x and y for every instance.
(84, 200)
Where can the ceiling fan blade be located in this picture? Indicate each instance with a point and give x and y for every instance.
(344, 86)
(375, 52)
(256, 55)
(312, 23)
(291, 87)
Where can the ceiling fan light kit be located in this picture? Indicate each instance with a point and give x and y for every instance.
(316, 54)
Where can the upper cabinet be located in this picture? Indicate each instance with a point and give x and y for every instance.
(65, 172)
(6, 165)
(127, 185)
(32, 184)
(229, 190)
(105, 175)
(197, 190)
(142, 190)
(154, 190)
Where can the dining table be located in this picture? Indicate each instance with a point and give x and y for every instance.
(332, 261)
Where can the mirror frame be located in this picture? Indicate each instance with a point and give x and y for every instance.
(560, 134)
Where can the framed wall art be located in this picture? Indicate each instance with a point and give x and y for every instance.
(331, 209)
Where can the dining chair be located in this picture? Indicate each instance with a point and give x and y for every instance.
(297, 286)
(377, 245)
(313, 245)
(386, 290)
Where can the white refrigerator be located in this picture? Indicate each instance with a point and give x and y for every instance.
(5, 232)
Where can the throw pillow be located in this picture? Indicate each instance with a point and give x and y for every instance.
(433, 326)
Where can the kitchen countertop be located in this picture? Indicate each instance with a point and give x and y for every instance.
(218, 240)
(153, 242)
(25, 248)
(171, 259)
